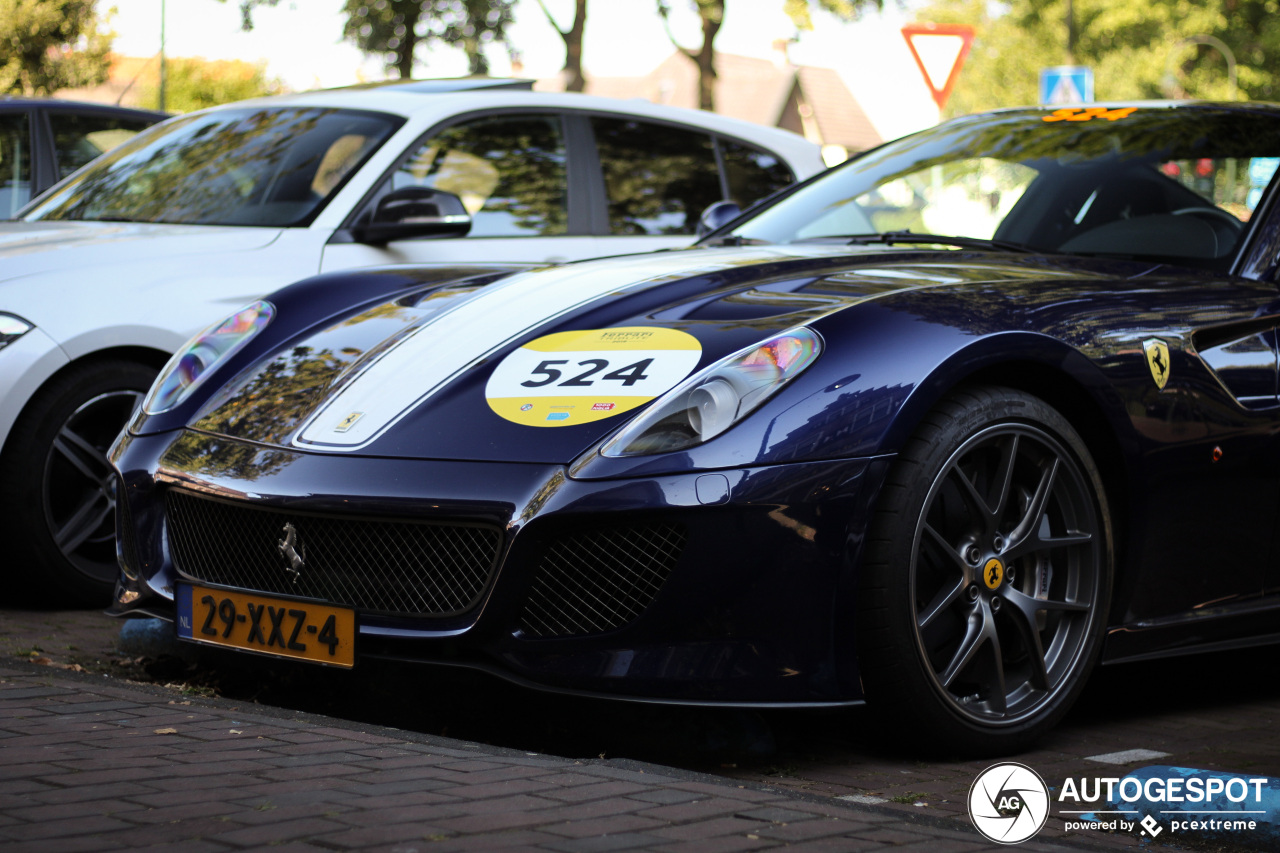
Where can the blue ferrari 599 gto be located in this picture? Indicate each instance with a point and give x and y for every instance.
(939, 430)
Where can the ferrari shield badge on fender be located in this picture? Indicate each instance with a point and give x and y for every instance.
(571, 378)
(1158, 360)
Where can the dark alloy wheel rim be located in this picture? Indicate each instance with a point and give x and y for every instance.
(1006, 574)
(78, 487)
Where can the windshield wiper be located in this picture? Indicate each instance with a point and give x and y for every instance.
(736, 240)
(890, 238)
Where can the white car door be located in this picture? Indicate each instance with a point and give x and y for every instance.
(549, 187)
(511, 171)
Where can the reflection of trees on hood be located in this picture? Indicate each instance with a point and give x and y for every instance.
(281, 395)
(1089, 313)
(208, 456)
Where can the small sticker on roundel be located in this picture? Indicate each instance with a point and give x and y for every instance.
(572, 378)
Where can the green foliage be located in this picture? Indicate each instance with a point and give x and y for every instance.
(1136, 50)
(395, 28)
(193, 84)
(47, 45)
(846, 10)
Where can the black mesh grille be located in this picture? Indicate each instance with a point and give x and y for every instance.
(384, 566)
(128, 553)
(600, 580)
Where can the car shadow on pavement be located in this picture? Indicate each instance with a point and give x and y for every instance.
(475, 706)
(1212, 690)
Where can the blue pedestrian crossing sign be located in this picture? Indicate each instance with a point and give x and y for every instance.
(1066, 84)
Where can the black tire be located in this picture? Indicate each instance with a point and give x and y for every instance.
(984, 593)
(59, 489)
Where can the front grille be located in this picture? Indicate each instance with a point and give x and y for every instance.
(384, 566)
(600, 580)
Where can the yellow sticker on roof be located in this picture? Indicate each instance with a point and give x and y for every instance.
(572, 378)
(1090, 113)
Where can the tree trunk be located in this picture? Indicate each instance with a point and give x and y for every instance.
(406, 48)
(574, 80)
(404, 58)
(712, 19)
(1071, 33)
(712, 14)
(477, 62)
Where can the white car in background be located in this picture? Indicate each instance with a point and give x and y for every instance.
(113, 269)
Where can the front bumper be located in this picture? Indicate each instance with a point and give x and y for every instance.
(25, 365)
(746, 577)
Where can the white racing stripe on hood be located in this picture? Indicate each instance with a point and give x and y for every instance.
(495, 317)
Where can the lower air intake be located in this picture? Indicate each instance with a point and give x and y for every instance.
(600, 580)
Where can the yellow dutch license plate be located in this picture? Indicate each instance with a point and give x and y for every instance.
(266, 625)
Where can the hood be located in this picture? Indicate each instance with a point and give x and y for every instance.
(31, 248)
(542, 365)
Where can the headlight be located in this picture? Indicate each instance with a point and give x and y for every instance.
(713, 400)
(12, 328)
(191, 364)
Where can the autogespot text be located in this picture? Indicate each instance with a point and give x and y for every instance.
(1155, 790)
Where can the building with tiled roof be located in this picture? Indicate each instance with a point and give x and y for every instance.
(813, 102)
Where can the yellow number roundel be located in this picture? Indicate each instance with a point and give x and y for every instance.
(572, 378)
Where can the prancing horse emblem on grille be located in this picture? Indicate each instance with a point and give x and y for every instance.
(293, 551)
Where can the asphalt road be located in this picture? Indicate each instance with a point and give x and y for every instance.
(1213, 712)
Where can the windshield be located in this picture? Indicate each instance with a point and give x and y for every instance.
(251, 166)
(1144, 182)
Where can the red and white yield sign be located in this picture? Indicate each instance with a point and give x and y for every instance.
(939, 50)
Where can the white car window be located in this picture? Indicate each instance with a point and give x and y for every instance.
(15, 163)
(658, 179)
(79, 138)
(252, 166)
(509, 171)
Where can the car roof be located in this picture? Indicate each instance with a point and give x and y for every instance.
(439, 86)
(445, 97)
(19, 101)
(1177, 106)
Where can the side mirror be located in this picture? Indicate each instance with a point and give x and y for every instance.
(414, 212)
(717, 214)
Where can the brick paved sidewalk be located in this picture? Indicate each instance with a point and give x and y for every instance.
(88, 763)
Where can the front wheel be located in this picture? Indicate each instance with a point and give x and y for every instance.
(57, 485)
(983, 597)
